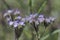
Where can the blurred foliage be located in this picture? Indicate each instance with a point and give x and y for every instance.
(38, 6)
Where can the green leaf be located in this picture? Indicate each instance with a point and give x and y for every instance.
(45, 37)
(42, 6)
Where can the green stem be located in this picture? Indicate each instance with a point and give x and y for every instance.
(42, 6)
(15, 34)
(37, 35)
(6, 4)
(30, 5)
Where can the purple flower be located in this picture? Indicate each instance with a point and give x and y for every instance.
(41, 16)
(21, 23)
(18, 17)
(16, 12)
(15, 24)
(52, 18)
(10, 23)
(30, 21)
(32, 18)
(47, 20)
(28, 18)
(9, 11)
(17, 21)
(41, 19)
(33, 15)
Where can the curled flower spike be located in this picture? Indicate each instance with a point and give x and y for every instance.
(32, 18)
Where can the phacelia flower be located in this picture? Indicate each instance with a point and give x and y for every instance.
(8, 12)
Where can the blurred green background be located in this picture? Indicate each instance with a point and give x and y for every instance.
(50, 8)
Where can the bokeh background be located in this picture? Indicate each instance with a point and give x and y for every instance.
(49, 8)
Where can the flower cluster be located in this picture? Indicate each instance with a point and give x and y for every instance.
(19, 20)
